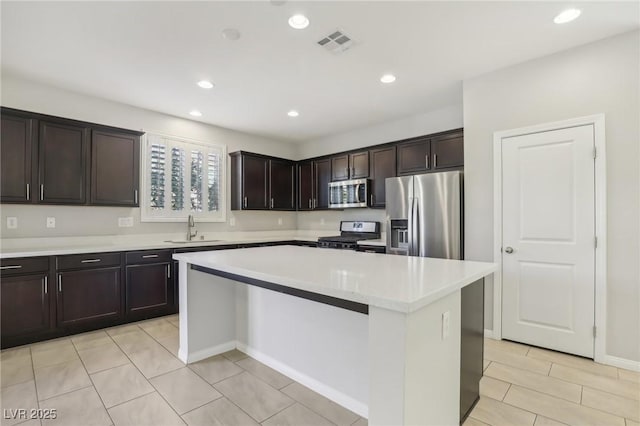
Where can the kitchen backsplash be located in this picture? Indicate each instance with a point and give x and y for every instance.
(84, 221)
(330, 219)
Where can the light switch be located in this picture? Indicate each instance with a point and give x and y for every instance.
(12, 222)
(125, 222)
(445, 325)
(280, 221)
(51, 222)
(232, 221)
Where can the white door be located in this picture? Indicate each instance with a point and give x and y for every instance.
(548, 239)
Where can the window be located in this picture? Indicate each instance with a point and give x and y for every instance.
(182, 177)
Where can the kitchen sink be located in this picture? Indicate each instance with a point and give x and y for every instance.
(195, 240)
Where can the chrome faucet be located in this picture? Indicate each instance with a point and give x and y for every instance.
(191, 223)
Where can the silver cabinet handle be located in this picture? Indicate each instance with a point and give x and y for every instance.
(28, 192)
(272, 203)
(149, 256)
(90, 260)
(371, 199)
(11, 267)
(426, 161)
(59, 283)
(135, 196)
(46, 285)
(245, 202)
(309, 202)
(435, 160)
(168, 271)
(508, 250)
(315, 203)
(41, 191)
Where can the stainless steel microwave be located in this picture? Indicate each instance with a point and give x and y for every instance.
(349, 193)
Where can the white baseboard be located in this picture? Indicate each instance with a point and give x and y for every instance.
(328, 392)
(488, 333)
(627, 364)
(206, 353)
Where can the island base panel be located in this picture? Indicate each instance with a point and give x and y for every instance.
(415, 372)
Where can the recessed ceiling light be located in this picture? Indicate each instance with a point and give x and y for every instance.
(299, 22)
(293, 113)
(196, 113)
(231, 34)
(388, 78)
(567, 16)
(205, 84)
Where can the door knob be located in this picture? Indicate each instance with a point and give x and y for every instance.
(508, 250)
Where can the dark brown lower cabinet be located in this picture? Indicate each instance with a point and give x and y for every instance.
(25, 304)
(88, 295)
(149, 290)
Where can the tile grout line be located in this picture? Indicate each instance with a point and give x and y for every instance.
(93, 385)
(145, 377)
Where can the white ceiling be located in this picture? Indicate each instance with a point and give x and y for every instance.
(151, 54)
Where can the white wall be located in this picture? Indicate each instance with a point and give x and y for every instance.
(72, 221)
(601, 77)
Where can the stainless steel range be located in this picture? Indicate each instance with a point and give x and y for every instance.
(350, 234)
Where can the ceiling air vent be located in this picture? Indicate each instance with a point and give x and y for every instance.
(336, 42)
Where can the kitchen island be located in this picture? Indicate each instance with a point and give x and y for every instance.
(378, 334)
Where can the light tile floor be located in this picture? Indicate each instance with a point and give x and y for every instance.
(130, 375)
(525, 385)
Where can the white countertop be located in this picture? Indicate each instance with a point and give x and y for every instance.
(28, 247)
(399, 283)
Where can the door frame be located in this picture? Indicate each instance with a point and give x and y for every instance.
(598, 122)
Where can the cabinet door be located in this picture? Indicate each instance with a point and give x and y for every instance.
(383, 166)
(282, 184)
(149, 290)
(88, 295)
(255, 182)
(447, 151)
(340, 167)
(16, 150)
(115, 162)
(359, 165)
(25, 304)
(63, 163)
(413, 157)
(322, 178)
(305, 186)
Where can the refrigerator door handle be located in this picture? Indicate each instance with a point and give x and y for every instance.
(416, 232)
(410, 228)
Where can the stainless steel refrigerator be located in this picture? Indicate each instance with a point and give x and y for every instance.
(425, 218)
(424, 215)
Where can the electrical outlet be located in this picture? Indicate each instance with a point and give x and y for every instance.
(322, 221)
(445, 325)
(51, 222)
(280, 221)
(232, 221)
(12, 222)
(125, 222)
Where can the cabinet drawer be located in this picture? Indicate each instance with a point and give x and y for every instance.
(89, 260)
(24, 265)
(148, 256)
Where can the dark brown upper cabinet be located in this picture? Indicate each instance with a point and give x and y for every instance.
(322, 177)
(261, 183)
(350, 166)
(115, 168)
(282, 184)
(17, 153)
(447, 151)
(414, 157)
(62, 171)
(305, 186)
(383, 166)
